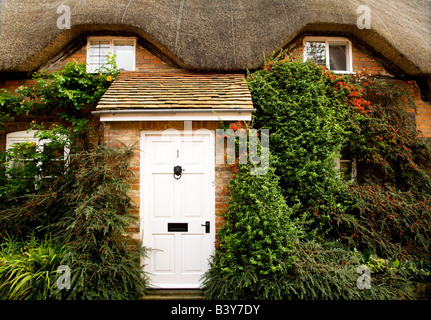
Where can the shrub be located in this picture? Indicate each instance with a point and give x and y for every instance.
(28, 200)
(313, 116)
(329, 271)
(28, 269)
(254, 245)
(262, 253)
(86, 204)
(385, 141)
(309, 123)
(104, 261)
(90, 213)
(389, 222)
(391, 215)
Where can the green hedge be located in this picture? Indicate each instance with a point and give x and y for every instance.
(309, 123)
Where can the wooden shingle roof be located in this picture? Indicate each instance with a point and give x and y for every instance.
(134, 90)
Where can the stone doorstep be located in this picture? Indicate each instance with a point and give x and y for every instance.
(174, 294)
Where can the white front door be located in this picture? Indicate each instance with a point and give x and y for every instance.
(177, 211)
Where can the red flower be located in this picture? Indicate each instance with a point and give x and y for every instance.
(233, 126)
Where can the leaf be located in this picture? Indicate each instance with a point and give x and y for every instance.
(396, 263)
(366, 255)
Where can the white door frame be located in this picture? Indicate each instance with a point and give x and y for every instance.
(144, 219)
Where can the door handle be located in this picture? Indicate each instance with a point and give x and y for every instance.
(207, 226)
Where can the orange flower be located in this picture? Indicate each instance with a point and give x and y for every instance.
(233, 126)
(109, 78)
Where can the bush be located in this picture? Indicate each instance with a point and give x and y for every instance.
(28, 200)
(88, 209)
(329, 271)
(309, 123)
(28, 269)
(389, 222)
(253, 249)
(262, 253)
(313, 117)
(85, 204)
(391, 215)
(104, 261)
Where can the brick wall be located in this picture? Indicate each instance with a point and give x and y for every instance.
(363, 63)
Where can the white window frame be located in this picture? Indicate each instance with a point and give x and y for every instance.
(353, 166)
(327, 40)
(111, 47)
(30, 136)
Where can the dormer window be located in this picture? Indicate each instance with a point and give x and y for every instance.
(331, 52)
(99, 48)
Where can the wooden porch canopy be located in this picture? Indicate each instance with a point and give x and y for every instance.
(136, 96)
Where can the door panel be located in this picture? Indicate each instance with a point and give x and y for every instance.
(192, 245)
(164, 258)
(192, 197)
(163, 196)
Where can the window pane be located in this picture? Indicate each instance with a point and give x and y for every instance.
(56, 165)
(337, 57)
(125, 51)
(98, 55)
(23, 154)
(316, 52)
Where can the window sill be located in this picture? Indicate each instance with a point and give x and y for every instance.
(344, 72)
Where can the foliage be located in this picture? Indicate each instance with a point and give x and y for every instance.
(309, 123)
(21, 164)
(93, 205)
(391, 215)
(104, 262)
(386, 143)
(30, 172)
(389, 222)
(262, 251)
(85, 203)
(28, 269)
(70, 94)
(328, 271)
(313, 117)
(254, 244)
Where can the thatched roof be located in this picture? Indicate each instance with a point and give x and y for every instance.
(217, 34)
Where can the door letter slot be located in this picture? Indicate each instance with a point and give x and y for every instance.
(178, 227)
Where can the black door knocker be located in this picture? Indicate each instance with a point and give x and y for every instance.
(178, 171)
